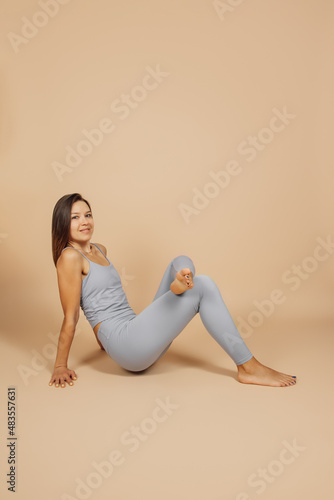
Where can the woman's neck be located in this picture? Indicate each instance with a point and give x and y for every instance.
(80, 248)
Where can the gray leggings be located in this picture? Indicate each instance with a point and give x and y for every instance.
(146, 337)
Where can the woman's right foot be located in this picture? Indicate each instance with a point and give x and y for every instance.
(254, 372)
(183, 281)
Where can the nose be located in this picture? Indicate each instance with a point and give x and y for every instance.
(84, 224)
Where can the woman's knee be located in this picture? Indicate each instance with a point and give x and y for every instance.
(205, 283)
(180, 262)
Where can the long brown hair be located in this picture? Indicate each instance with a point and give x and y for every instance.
(61, 223)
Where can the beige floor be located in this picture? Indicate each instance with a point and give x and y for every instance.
(185, 428)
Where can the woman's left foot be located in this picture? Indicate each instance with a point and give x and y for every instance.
(183, 281)
(254, 372)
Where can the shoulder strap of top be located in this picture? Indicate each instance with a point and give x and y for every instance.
(101, 251)
(77, 250)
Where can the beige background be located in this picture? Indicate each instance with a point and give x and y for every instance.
(228, 68)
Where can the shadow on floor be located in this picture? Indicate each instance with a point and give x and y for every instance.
(100, 361)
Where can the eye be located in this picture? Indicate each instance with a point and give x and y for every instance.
(89, 215)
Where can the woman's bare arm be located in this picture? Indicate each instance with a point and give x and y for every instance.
(69, 270)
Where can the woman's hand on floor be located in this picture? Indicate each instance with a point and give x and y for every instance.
(61, 375)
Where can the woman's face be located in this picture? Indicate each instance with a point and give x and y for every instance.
(82, 223)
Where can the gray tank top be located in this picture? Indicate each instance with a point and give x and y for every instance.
(102, 295)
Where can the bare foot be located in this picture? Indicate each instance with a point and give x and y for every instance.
(183, 281)
(254, 372)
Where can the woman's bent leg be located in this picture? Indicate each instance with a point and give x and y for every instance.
(178, 263)
(219, 323)
(145, 337)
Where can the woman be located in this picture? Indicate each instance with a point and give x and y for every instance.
(87, 279)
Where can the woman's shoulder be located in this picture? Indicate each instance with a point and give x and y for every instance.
(68, 256)
(103, 248)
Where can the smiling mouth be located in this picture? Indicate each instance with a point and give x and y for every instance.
(84, 230)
